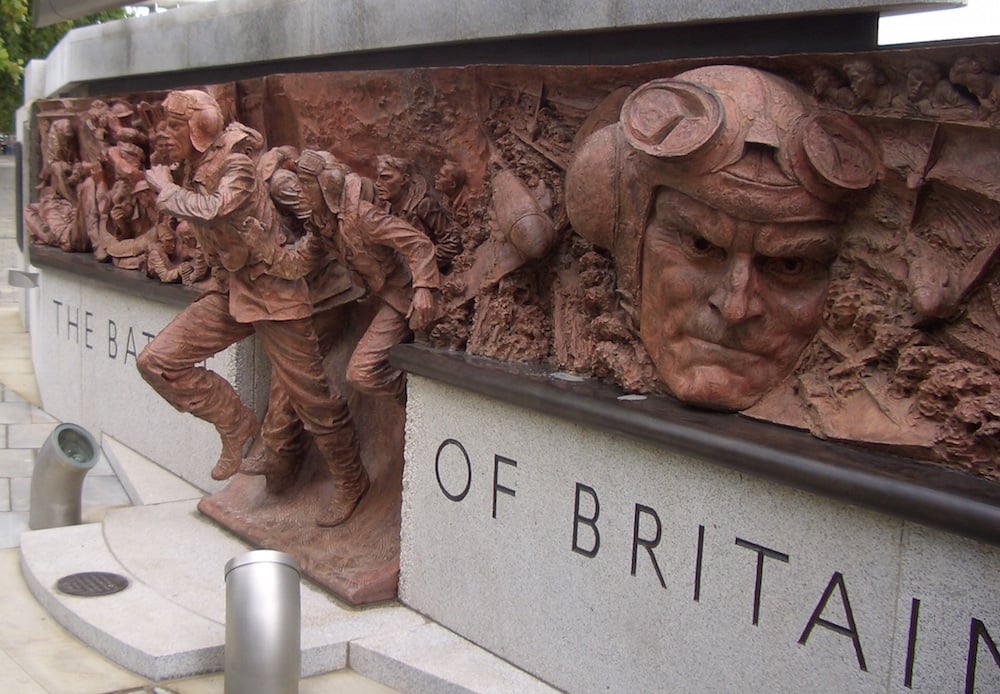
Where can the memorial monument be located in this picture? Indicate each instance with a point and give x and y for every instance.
(741, 237)
(744, 247)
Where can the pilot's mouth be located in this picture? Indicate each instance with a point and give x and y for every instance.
(715, 348)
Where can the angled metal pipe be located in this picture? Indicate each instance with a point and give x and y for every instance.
(67, 455)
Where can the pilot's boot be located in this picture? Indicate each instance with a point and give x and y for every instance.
(280, 470)
(350, 480)
(235, 437)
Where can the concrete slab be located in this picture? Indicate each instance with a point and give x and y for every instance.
(31, 435)
(144, 481)
(53, 659)
(104, 490)
(20, 493)
(22, 388)
(102, 468)
(137, 628)
(170, 622)
(15, 413)
(16, 678)
(430, 658)
(10, 394)
(11, 526)
(17, 462)
(235, 32)
(191, 574)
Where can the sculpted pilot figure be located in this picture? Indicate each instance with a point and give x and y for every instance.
(451, 182)
(395, 261)
(220, 197)
(721, 193)
(407, 197)
(279, 451)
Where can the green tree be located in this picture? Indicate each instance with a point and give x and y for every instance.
(20, 42)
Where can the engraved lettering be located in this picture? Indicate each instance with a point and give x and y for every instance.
(112, 339)
(977, 631)
(647, 543)
(87, 329)
(73, 324)
(590, 521)
(130, 346)
(759, 583)
(851, 630)
(497, 487)
(452, 443)
(58, 306)
(698, 563)
(911, 643)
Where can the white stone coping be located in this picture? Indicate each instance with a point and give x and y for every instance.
(239, 32)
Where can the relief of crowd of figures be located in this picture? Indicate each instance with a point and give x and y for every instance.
(525, 178)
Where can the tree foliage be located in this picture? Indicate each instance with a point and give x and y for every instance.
(20, 42)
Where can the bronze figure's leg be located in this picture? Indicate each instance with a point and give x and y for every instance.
(169, 365)
(278, 452)
(297, 363)
(369, 370)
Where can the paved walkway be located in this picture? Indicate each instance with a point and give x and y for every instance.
(10, 254)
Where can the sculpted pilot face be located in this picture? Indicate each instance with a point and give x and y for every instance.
(919, 82)
(446, 179)
(390, 182)
(168, 239)
(177, 139)
(727, 304)
(722, 194)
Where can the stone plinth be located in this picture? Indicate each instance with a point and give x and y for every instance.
(598, 562)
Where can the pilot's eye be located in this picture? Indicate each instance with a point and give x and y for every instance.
(701, 245)
(783, 268)
(697, 246)
(789, 266)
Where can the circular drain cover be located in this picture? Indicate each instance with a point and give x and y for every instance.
(91, 584)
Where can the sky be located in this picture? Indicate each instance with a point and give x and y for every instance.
(977, 18)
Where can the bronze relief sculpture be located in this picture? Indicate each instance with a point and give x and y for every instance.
(222, 198)
(729, 186)
(806, 240)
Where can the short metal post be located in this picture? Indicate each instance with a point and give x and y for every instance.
(67, 455)
(263, 624)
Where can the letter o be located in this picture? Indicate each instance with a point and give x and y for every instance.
(468, 467)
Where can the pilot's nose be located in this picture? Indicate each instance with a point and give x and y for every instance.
(736, 297)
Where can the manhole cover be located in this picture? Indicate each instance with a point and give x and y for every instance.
(90, 584)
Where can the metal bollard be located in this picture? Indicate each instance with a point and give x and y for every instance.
(67, 455)
(263, 624)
